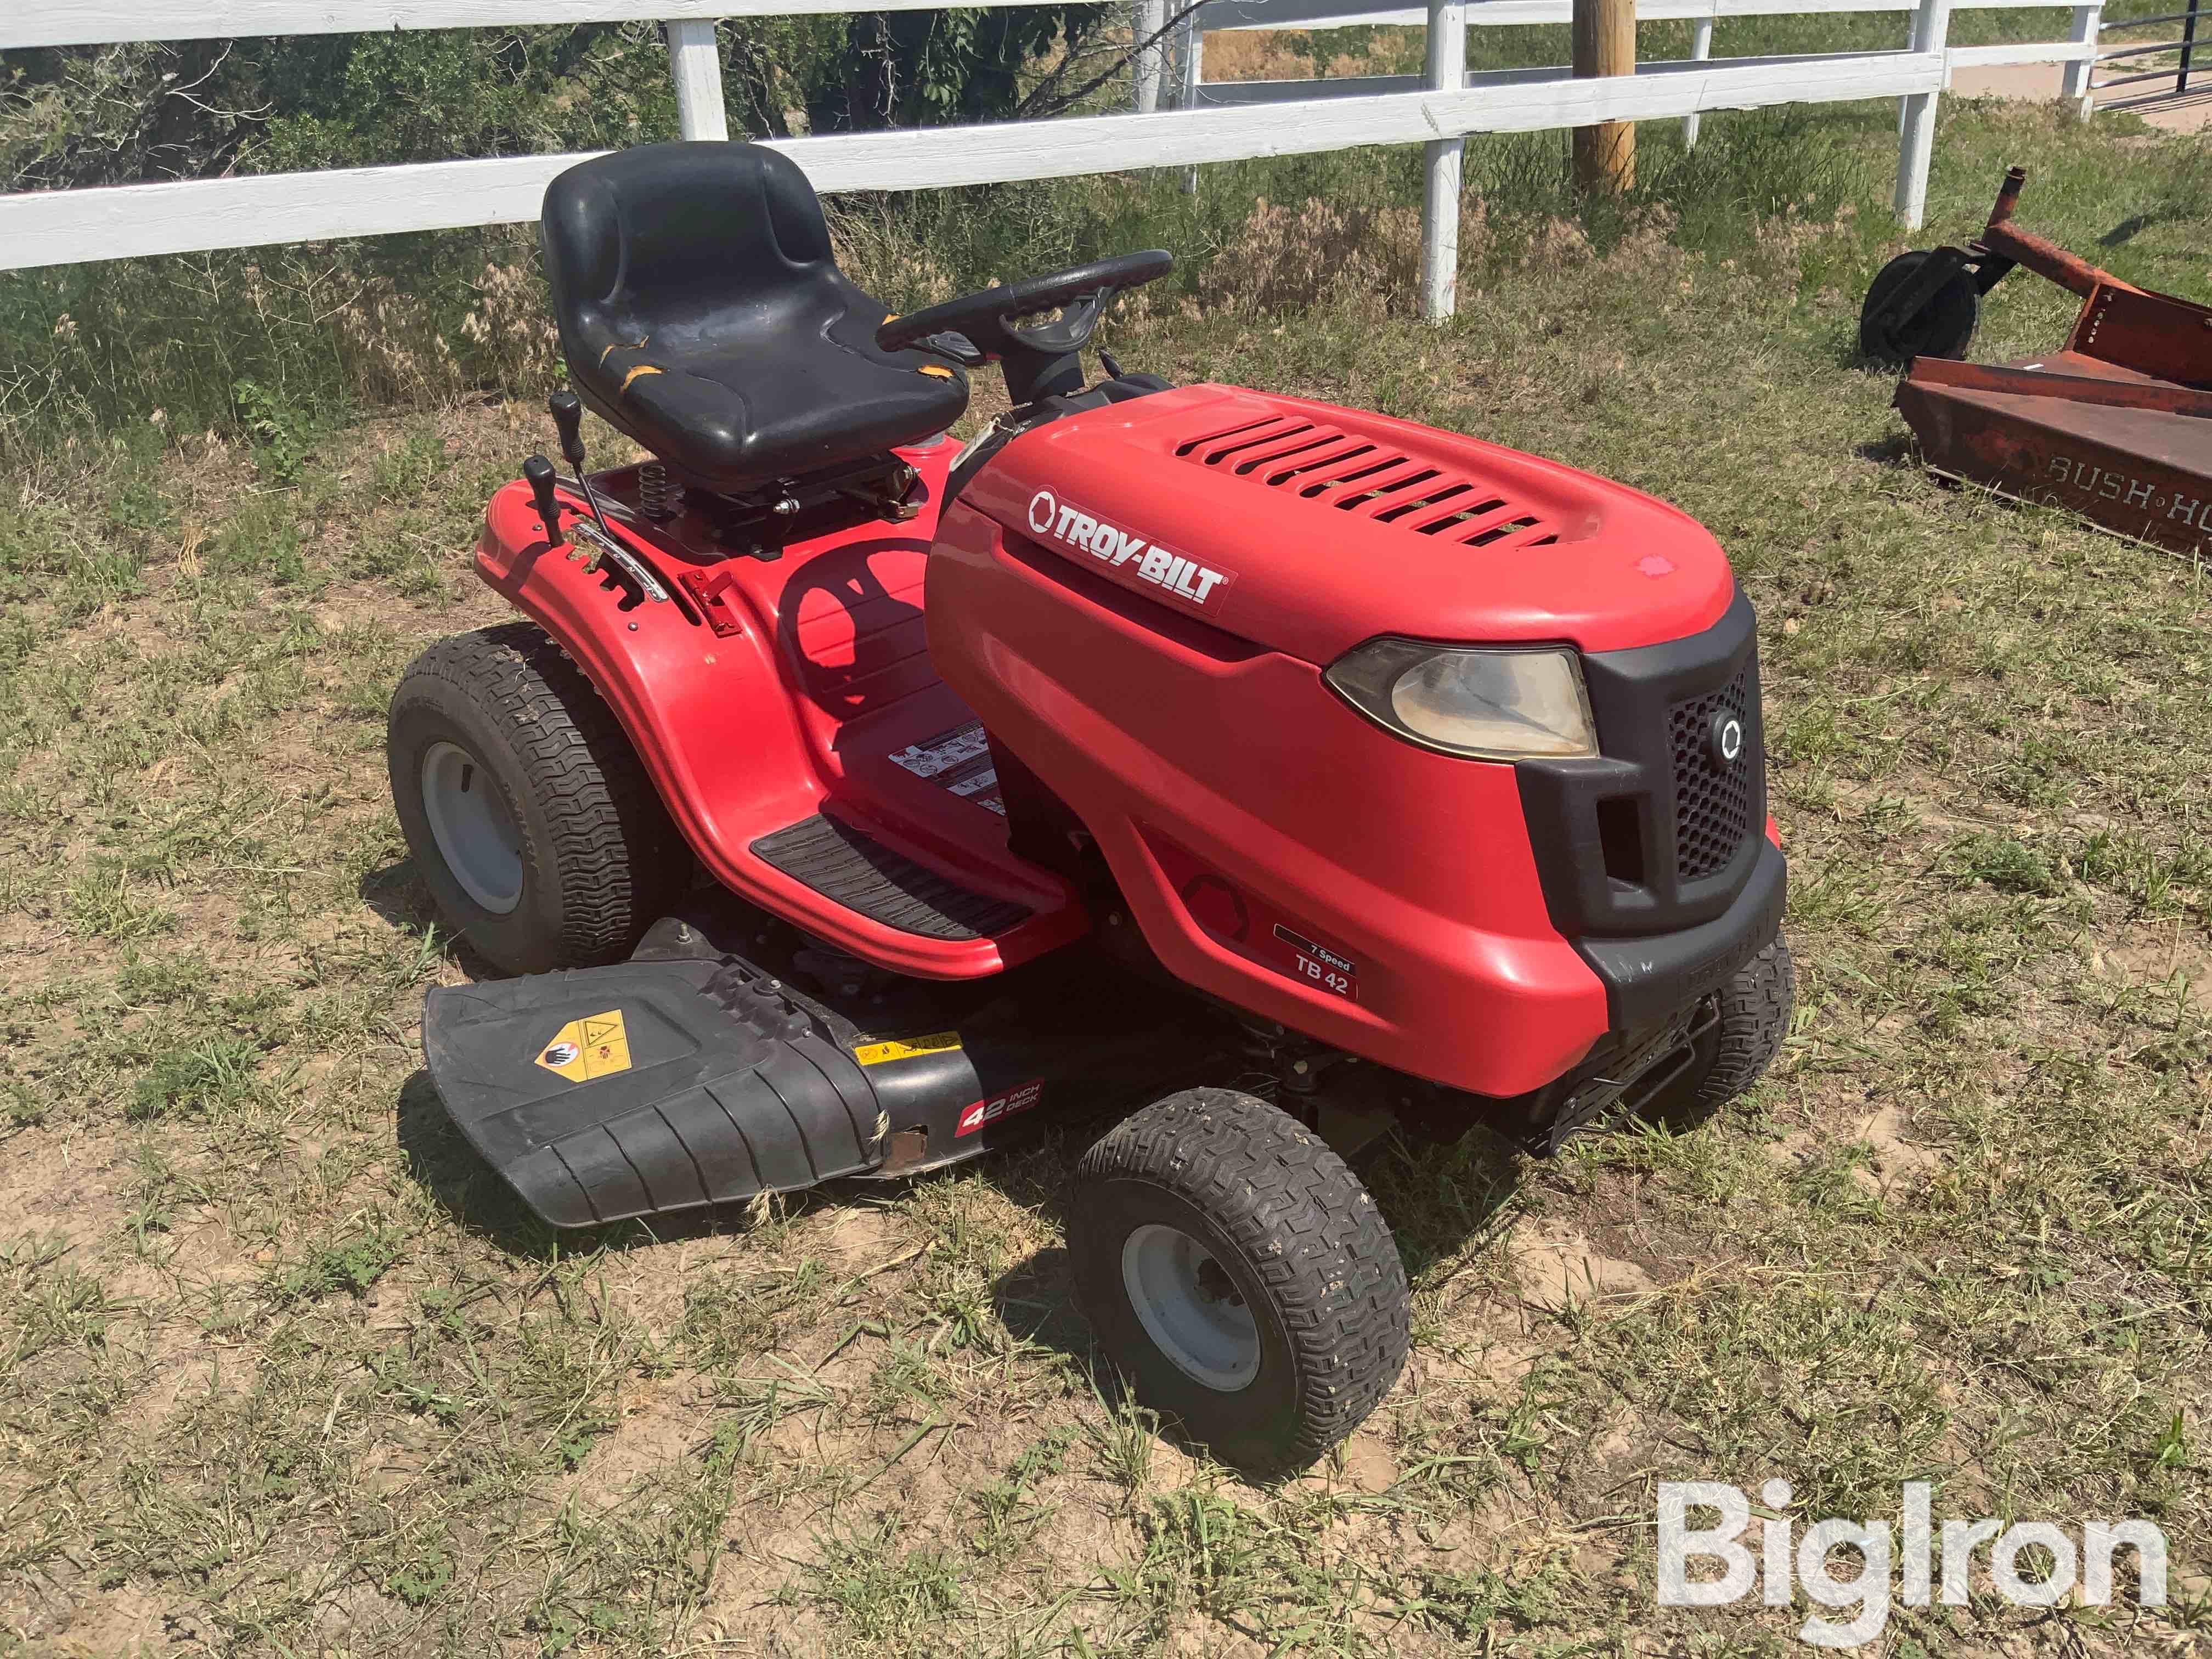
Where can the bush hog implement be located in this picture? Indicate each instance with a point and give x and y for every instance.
(1243, 768)
(2115, 425)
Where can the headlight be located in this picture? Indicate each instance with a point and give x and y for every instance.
(1500, 705)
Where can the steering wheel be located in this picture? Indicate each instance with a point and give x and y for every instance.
(986, 319)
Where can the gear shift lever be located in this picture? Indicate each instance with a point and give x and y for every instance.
(539, 473)
(568, 416)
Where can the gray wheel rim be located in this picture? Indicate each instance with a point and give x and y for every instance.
(1190, 1308)
(476, 834)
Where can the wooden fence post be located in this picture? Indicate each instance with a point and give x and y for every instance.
(1446, 72)
(1931, 26)
(1605, 44)
(2076, 86)
(1701, 48)
(696, 59)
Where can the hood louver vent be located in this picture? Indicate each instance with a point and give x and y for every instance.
(1332, 467)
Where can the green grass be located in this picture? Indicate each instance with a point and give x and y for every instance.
(286, 1371)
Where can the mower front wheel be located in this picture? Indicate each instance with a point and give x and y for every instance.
(530, 817)
(1238, 1272)
(1751, 1018)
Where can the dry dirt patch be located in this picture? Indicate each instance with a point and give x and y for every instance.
(1556, 1266)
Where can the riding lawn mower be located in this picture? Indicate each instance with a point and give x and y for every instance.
(1251, 775)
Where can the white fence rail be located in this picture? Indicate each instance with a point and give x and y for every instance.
(97, 22)
(2075, 52)
(1217, 122)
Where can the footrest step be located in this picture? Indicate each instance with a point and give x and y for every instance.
(845, 863)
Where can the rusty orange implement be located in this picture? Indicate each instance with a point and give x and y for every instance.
(2115, 425)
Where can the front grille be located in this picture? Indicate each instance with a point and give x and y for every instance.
(1712, 805)
(1643, 855)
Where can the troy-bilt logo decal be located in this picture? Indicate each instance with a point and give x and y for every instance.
(1111, 545)
(989, 1111)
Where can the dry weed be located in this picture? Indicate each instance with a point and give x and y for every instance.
(906, 274)
(513, 323)
(1257, 55)
(1290, 55)
(1320, 254)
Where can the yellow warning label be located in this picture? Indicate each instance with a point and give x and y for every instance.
(875, 1053)
(597, 1045)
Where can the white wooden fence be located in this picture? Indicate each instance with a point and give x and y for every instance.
(1802, 79)
(1215, 122)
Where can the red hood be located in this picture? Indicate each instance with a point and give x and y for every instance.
(1309, 529)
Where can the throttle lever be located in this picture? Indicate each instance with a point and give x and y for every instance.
(568, 418)
(538, 473)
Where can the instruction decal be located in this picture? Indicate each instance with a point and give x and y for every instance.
(978, 782)
(945, 751)
(876, 1054)
(958, 760)
(984, 1113)
(595, 1046)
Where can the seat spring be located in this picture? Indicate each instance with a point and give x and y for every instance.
(656, 497)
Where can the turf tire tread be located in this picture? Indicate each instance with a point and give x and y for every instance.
(614, 858)
(1302, 1221)
(1754, 1018)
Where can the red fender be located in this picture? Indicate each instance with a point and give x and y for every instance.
(790, 706)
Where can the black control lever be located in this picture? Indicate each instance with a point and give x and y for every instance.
(538, 471)
(568, 416)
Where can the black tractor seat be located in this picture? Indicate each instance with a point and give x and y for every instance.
(702, 313)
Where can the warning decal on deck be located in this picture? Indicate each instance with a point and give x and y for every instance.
(875, 1053)
(597, 1045)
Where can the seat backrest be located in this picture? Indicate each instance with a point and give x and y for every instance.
(675, 238)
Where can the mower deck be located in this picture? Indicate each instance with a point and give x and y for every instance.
(645, 1087)
(691, 1076)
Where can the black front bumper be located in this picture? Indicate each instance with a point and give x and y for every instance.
(1651, 976)
(1653, 855)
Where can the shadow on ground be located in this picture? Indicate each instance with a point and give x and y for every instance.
(397, 895)
(1895, 451)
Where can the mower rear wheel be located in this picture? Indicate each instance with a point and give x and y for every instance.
(529, 815)
(1238, 1272)
(1942, 327)
(1753, 1011)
